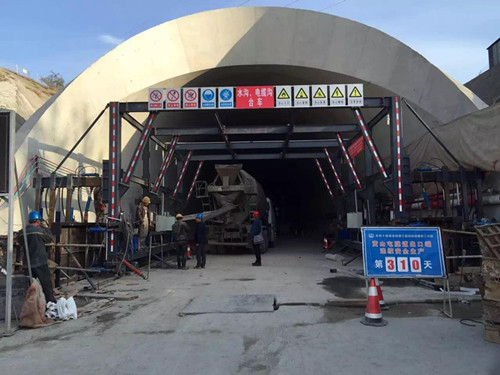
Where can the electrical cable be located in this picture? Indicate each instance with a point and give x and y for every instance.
(462, 321)
(331, 6)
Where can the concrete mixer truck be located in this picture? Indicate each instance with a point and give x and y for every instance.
(228, 203)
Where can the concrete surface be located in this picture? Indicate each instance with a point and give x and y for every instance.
(148, 336)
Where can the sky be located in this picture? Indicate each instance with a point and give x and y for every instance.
(67, 36)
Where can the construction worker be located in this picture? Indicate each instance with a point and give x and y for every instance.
(180, 232)
(257, 239)
(143, 220)
(37, 235)
(200, 239)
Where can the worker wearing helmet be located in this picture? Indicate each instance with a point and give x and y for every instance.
(200, 239)
(143, 220)
(257, 239)
(180, 232)
(37, 235)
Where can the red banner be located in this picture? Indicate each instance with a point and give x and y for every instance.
(356, 147)
(254, 97)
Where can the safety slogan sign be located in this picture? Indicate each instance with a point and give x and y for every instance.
(403, 252)
(256, 97)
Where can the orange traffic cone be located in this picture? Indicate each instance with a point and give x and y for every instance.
(373, 315)
(188, 253)
(325, 243)
(381, 301)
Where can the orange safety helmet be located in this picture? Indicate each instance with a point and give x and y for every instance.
(256, 214)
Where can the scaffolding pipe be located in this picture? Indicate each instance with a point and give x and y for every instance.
(166, 163)
(324, 178)
(194, 180)
(182, 173)
(81, 138)
(349, 161)
(334, 170)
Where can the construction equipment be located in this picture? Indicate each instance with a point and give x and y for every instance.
(230, 200)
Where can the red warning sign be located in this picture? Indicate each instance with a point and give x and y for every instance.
(254, 97)
(190, 98)
(155, 99)
(173, 98)
(356, 147)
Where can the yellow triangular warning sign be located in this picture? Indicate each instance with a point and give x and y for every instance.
(301, 94)
(319, 94)
(337, 93)
(283, 94)
(355, 93)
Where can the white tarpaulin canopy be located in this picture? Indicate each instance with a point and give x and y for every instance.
(473, 139)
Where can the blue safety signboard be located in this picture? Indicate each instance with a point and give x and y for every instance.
(403, 252)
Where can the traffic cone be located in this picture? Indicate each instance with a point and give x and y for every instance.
(373, 315)
(188, 253)
(381, 301)
(325, 243)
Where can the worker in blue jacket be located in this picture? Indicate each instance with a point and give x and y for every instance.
(257, 237)
(200, 239)
(38, 234)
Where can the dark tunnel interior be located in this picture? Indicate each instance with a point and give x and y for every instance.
(295, 187)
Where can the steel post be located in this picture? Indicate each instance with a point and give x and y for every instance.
(165, 164)
(183, 171)
(400, 213)
(324, 178)
(10, 224)
(194, 180)
(115, 171)
(143, 141)
(349, 160)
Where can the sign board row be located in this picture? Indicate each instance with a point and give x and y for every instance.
(403, 252)
(256, 97)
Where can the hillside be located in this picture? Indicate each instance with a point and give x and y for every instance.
(22, 94)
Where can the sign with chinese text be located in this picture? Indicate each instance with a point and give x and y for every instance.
(337, 96)
(355, 96)
(403, 252)
(319, 95)
(172, 98)
(190, 97)
(226, 97)
(283, 96)
(301, 96)
(155, 99)
(208, 97)
(254, 97)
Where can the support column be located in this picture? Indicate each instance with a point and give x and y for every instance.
(165, 164)
(194, 180)
(143, 142)
(397, 155)
(114, 171)
(349, 160)
(324, 178)
(183, 171)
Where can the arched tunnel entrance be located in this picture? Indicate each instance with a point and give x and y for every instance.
(294, 152)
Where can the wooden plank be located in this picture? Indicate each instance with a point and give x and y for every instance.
(118, 297)
(492, 333)
(490, 267)
(491, 289)
(491, 311)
